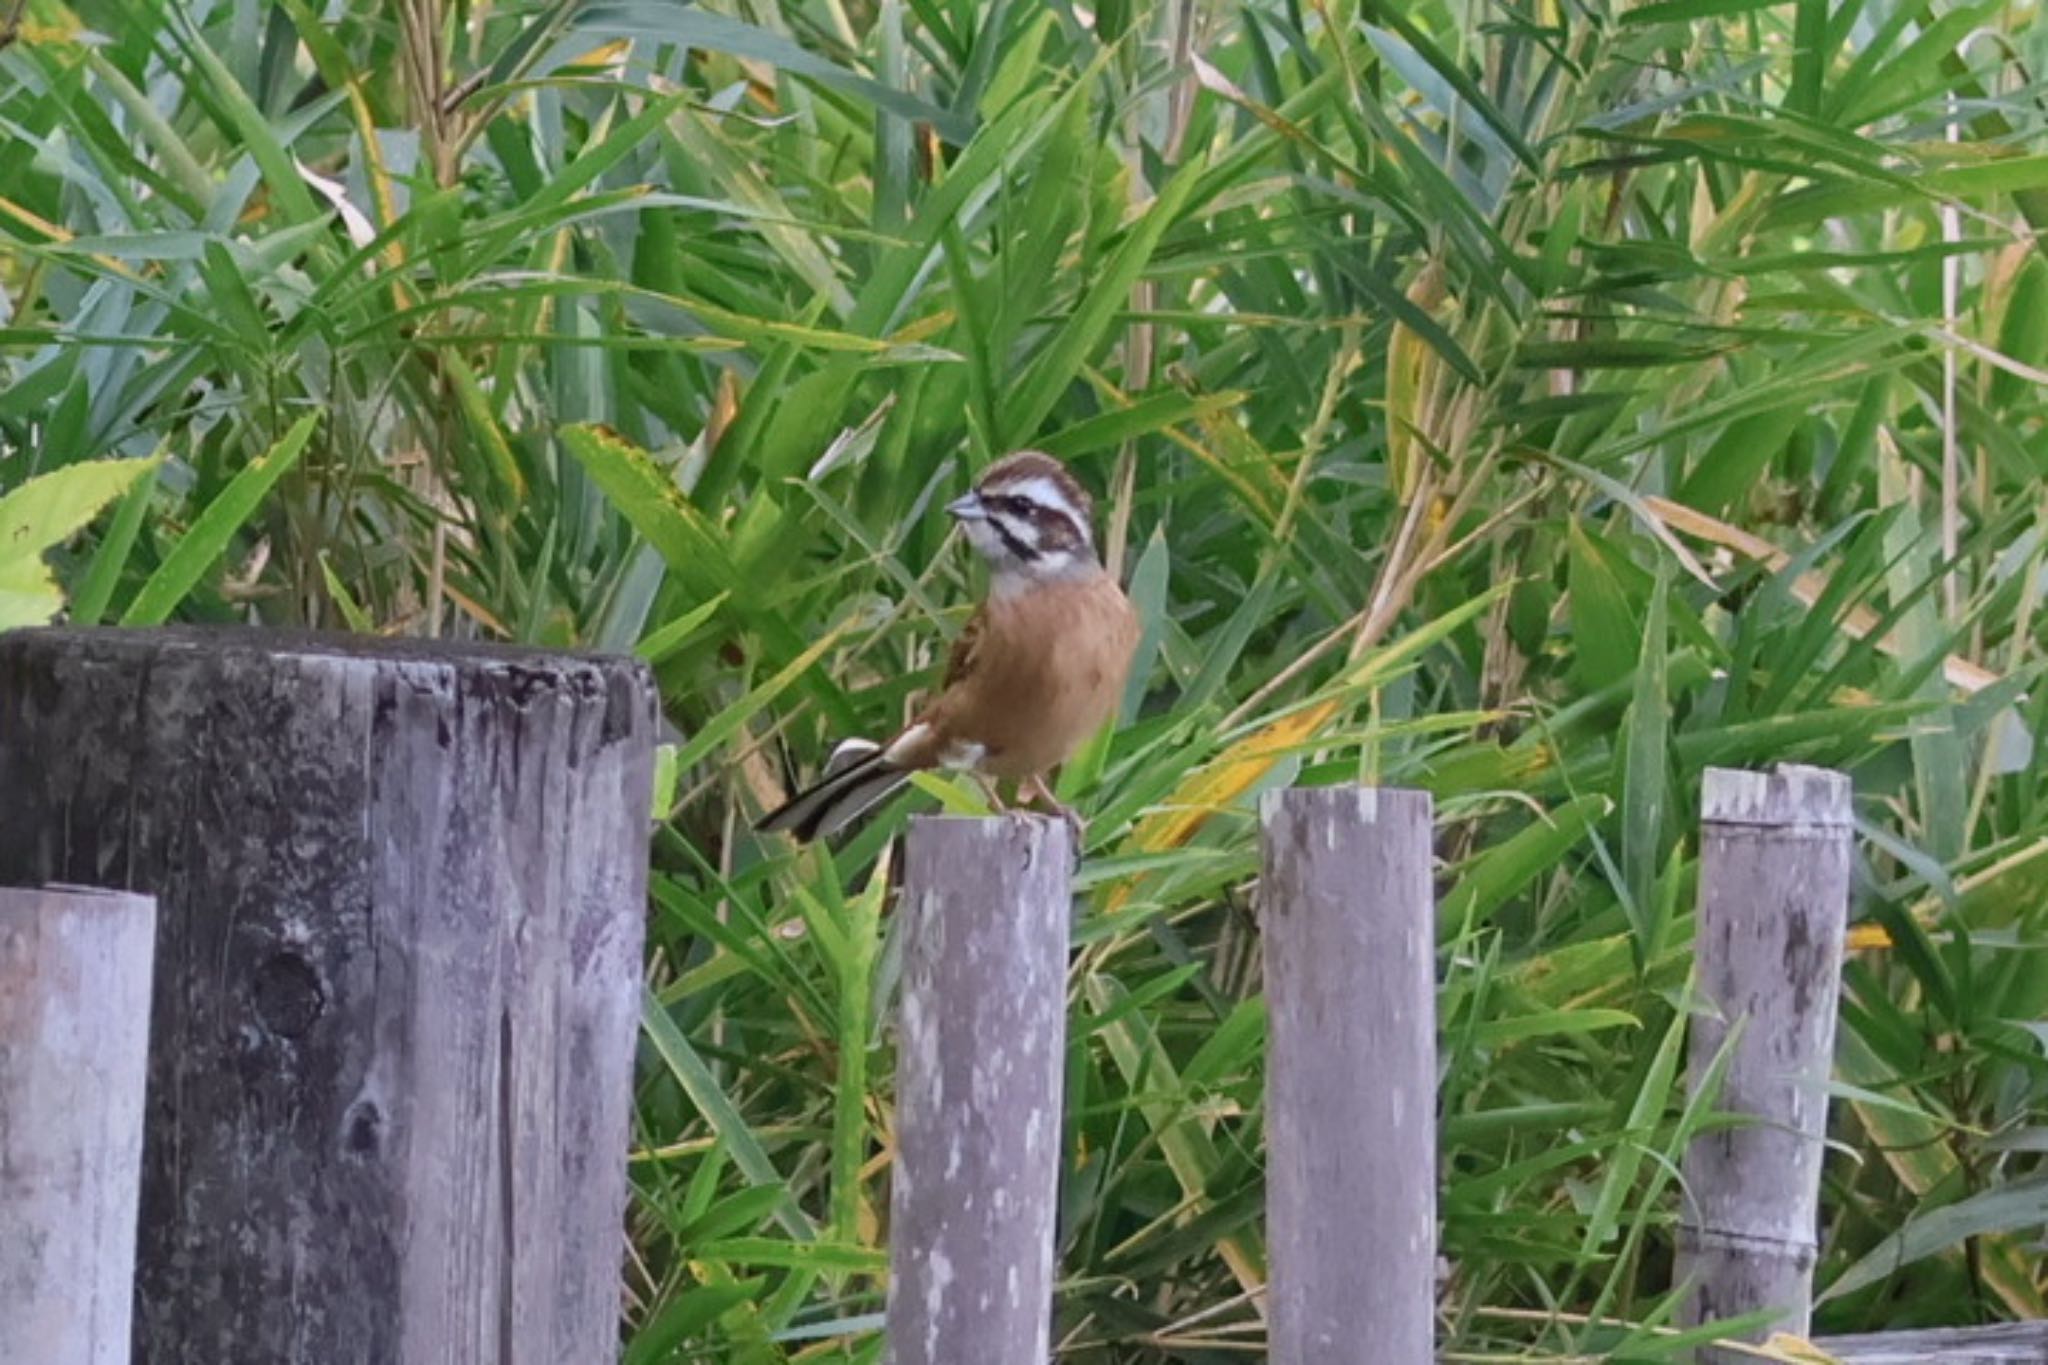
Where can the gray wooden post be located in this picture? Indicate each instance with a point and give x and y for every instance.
(980, 1057)
(397, 976)
(1348, 922)
(2004, 1343)
(1774, 896)
(74, 1048)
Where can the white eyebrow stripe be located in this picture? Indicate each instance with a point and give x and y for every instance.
(1046, 493)
(1043, 491)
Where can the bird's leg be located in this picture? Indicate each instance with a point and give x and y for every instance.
(1033, 788)
(989, 789)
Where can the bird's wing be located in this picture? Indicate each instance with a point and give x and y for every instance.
(966, 650)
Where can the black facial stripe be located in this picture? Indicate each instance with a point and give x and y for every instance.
(1058, 520)
(1012, 541)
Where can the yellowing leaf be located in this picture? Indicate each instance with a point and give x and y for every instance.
(1208, 790)
(646, 495)
(483, 424)
(1797, 1350)
(1413, 370)
(29, 596)
(51, 508)
(206, 540)
(1857, 622)
(1213, 787)
(45, 512)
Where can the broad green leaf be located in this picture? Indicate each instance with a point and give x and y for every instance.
(665, 640)
(1512, 1029)
(2012, 1206)
(216, 525)
(647, 496)
(1646, 777)
(703, 1089)
(663, 23)
(50, 508)
(43, 513)
(1036, 393)
(1485, 883)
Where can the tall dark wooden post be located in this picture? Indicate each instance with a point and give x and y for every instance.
(1774, 903)
(1349, 924)
(401, 892)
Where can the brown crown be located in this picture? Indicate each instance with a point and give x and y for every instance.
(1036, 464)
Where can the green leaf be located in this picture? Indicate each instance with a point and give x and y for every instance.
(1685, 11)
(687, 27)
(207, 539)
(344, 601)
(687, 1316)
(730, 719)
(2013, 1206)
(1728, 472)
(1504, 1032)
(704, 1091)
(50, 508)
(1646, 777)
(823, 1256)
(646, 494)
(1604, 635)
(1036, 394)
(45, 512)
(2005, 175)
(665, 640)
(1651, 1097)
(89, 603)
(667, 775)
(1495, 874)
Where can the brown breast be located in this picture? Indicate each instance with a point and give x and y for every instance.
(1049, 669)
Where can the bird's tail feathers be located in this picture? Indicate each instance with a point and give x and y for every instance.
(856, 777)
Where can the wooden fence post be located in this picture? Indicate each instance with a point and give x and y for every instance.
(397, 976)
(74, 1049)
(978, 1079)
(1350, 946)
(1774, 895)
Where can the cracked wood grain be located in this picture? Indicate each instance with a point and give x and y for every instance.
(1348, 919)
(397, 976)
(1773, 909)
(981, 1049)
(74, 1048)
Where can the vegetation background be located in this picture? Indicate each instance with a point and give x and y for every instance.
(1531, 400)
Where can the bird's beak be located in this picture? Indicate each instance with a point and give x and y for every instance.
(967, 508)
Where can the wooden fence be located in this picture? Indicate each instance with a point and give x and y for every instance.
(398, 895)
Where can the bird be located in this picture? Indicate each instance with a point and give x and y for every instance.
(1039, 667)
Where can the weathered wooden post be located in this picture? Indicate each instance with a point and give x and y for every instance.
(397, 976)
(74, 1048)
(1348, 924)
(1774, 897)
(982, 1042)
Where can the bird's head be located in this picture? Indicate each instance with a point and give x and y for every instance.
(1029, 518)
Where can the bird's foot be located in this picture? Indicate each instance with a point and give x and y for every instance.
(1077, 828)
(1034, 789)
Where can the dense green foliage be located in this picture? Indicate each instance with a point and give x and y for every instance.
(1533, 402)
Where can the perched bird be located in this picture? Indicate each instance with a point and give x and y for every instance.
(1040, 666)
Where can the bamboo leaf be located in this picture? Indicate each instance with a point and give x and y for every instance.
(208, 537)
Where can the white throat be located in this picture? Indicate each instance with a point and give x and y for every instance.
(1010, 579)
